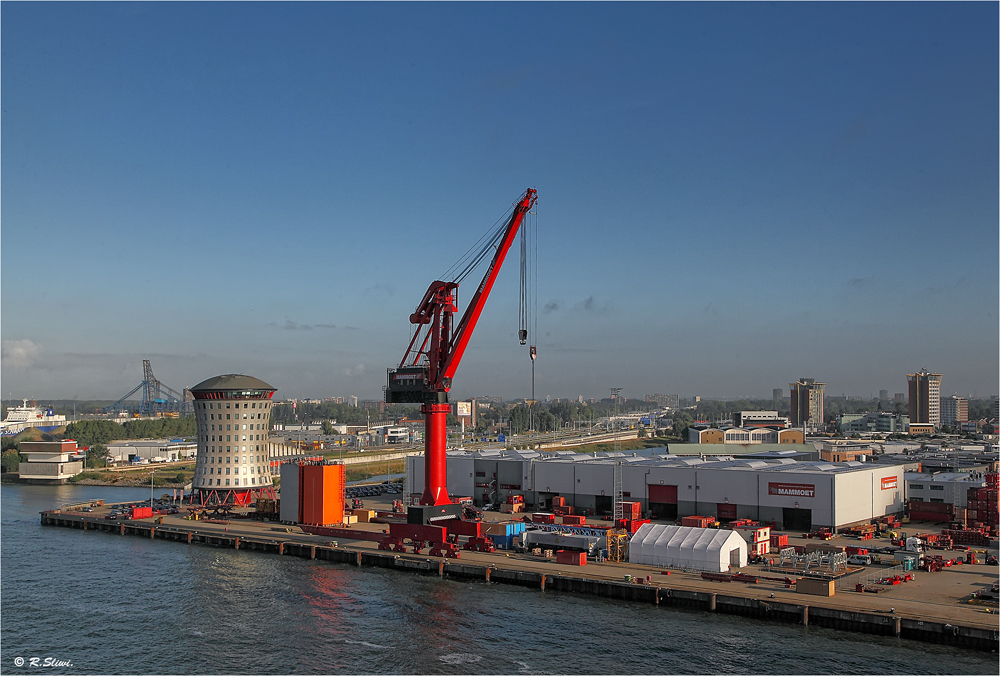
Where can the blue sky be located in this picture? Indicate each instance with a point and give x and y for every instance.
(731, 196)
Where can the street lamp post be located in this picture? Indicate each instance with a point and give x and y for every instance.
(151, 473)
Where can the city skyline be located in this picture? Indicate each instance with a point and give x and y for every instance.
(730, 196)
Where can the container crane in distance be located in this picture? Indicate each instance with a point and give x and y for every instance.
(425, 372)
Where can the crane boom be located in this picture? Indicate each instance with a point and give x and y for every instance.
(424, 375)
(463, 332)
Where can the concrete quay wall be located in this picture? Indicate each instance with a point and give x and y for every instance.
(729, 604)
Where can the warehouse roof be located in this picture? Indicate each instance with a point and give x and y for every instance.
(946, 477)
(738, 449)
(777, 464)
(232, 381)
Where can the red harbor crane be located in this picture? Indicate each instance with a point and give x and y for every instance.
(425, 372)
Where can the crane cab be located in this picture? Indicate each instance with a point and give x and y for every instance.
(407, 385)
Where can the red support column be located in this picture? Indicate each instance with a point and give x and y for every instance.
(435, 454)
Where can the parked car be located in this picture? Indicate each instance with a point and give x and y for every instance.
(860, 559)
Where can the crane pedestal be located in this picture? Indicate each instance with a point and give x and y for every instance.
(435, 454)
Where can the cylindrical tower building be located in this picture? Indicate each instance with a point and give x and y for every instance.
(233, 413)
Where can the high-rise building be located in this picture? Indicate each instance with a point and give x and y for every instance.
(807, 403)
(233, 413)
(954, 409)
(925, 397)
(883, 395)
(668, 400)
(777, 394)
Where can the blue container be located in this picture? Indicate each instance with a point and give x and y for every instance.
(502, 541)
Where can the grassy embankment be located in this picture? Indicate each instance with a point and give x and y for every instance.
(169, 476)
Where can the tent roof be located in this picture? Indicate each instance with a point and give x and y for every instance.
(683, 537)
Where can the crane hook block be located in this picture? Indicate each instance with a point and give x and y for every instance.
(522, 335)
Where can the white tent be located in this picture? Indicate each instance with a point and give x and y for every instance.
(691, 548)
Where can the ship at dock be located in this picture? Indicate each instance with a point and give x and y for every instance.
(20, 418)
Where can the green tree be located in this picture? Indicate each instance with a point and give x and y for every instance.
(682, 421)
(97, 456)
(328, 428)
(10, 460)
(90, 432)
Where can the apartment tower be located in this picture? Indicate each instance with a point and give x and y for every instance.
(925, 397)
(807, 402)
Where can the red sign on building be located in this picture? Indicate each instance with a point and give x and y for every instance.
(792, 490)
(888, 482)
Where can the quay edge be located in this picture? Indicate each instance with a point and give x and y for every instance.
(804, 614)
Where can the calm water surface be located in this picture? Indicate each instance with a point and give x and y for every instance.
(112, 604)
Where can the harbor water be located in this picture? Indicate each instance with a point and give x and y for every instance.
(94, 602)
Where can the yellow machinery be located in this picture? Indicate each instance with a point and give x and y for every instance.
(617, 544)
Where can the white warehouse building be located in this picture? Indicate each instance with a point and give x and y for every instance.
(795, 495)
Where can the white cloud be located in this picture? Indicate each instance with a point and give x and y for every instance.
(20, 353)
(356, 371)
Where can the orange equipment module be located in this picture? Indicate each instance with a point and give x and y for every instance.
(321, 494)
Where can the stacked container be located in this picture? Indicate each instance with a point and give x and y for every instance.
(983, 511)
(502, 534)
(930, 511)
(631, 510)
(758, 538)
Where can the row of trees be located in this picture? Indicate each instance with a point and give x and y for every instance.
(90, 432)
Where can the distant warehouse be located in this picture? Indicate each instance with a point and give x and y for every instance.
(796, 495)
(151, 450)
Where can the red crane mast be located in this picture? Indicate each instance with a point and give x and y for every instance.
(424, 375)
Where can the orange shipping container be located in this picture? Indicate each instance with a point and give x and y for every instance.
(571, 558)
(321, 492)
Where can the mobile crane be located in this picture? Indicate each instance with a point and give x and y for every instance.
(425, 372)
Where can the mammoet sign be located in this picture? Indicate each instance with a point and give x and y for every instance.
(792, 490)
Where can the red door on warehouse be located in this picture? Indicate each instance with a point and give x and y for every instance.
(725, 511)
(662, 501)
